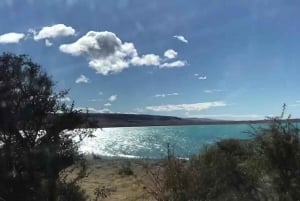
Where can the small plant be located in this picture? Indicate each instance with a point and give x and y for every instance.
(126, 169)
(102, 192)
(96, 156)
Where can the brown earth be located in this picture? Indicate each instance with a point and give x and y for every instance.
(109, 176)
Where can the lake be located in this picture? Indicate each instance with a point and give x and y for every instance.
(151, 142)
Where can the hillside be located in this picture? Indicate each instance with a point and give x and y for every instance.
(134, 120)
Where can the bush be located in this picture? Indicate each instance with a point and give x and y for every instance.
(33, 145)
(266, 167)
(126, 169)
(278, 146)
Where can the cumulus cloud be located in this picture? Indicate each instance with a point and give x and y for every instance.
(48, 43)
(175, 64)
(146, 60)
(107, 54)
(165, 95)
(11, 37)
(170, 54)
(186, 107)
(82, 79)
(181, 38)
(112, 98)
(57, 30)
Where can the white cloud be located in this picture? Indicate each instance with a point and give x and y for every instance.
(112, 98)
(186, 107)
(48, 43)
(107, 54)
(170, 54)
(11, 37)
(175, 64)
(65, 99)
(105, 51)
(210, 91)
(165, 95)
(95, 100)
(196, 74)
(146, 60)
(57, 30)
(105, 110)
(202, 78)
(82, 79)
(94, 110)
(181, 38)
(107, 104)
(230, 116)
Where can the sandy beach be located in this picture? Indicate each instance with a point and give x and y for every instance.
(111, 174)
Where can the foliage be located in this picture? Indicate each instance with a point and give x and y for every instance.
(266, 167)
(34, 146)
(279, 147)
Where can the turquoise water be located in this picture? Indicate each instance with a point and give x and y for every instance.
(151, 142)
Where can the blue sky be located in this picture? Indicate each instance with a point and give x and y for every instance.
(197, 58)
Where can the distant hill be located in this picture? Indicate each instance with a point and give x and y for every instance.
(134, 120)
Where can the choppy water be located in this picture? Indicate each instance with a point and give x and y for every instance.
(151, 142)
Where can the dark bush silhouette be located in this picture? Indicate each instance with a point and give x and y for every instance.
(278, 148)
(33, 146)
(266, 167)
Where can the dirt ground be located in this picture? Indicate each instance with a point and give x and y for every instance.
(112, 177)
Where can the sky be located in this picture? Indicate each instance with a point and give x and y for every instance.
(198, 58)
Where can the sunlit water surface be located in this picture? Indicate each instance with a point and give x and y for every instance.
(151, 142)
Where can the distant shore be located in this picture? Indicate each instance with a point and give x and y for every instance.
(136, 120)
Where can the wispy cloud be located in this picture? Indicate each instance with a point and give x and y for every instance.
(95, 100)
(165, 95)
(94, 110)
(229, 116)
(107, 54)
(174, 64)
(54, 31)
(200, 77)
(181, 38)
(210, 91)
(82, 79)
(11, 37)
(112, 98)
(48, 43)
(66, 99)
(186, 107)
(295, 104)
(107, 104)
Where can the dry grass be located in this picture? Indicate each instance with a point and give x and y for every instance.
(105, 174)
